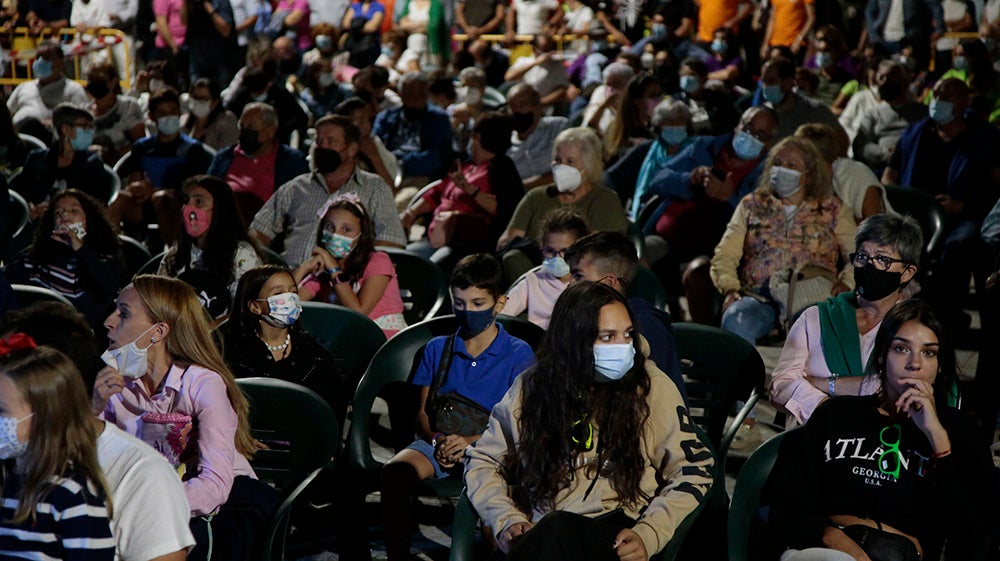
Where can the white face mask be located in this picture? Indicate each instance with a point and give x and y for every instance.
(326, 80)
(200, 108)
(612, 362)
(567, 178)
(283, 309)
(785, 181)
(129, 360)
(556, 266)
(10, 446)
(78, 229)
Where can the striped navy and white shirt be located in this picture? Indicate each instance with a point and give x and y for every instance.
(71, 523)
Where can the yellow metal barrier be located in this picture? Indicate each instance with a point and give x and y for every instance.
(77, 46)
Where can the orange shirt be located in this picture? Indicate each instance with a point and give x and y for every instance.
(712, 14)
(789, 19)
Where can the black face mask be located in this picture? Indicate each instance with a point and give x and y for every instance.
(874, 284)
(890, 91)
(412, 114)
(326, 160)
(250, 141)
(99, 90)
(523, 121)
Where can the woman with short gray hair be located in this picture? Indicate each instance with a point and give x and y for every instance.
(828, 348)
(671, 122)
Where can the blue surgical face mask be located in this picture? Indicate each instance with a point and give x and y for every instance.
(324, 42)
(746, 146)
(612, 362)
(83, 139)
(168, 125)
(658, 32)
(960, 63)
(943, 112)
(556, 266)
(472, 323)
(41, 68)
(673, 135)
(690, 84)
(823, 59)
(773, 93)
(719, 46)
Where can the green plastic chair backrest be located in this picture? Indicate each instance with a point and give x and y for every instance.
(152, 265)
(635, 234)
(465, 519)
(297, 425)
(271, 257)
(720, 368)
(136, 255)
(18, 218)
(923, 208)
(27, 295)
(352, 338)
(422, 285)
(393, 363)
(647, 285)
(748, 495)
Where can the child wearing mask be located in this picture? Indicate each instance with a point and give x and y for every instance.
(472, 369)
(345, 269)
(537, 291)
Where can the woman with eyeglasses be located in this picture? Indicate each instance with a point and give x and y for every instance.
(828, 349)
(899, 470)
(591, 454)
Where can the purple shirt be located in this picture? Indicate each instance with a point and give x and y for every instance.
(200, 393)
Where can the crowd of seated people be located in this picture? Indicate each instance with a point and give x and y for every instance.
(818, 175)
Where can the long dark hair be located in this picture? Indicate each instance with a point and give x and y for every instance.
(561, 390)
(353, 266)
(101, 236)
(918, 311)
(629, 118)
(224, 233)
(243, 323)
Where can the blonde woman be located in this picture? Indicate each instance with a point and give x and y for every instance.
(793, 219)
(165, 377)
(54, 502)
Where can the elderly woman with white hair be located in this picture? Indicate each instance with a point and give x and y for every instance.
(671, 122)
(578, 171)
(602, 109)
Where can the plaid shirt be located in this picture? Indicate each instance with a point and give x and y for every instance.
(292, 211)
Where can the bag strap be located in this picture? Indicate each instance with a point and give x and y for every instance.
(444, 365)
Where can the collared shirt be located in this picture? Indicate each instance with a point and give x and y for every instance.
(200, 393)
(292, 211)
(484, 378)
(533, 155)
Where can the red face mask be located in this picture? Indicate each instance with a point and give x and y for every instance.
(196, 221)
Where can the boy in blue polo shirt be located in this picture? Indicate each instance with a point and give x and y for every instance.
(461, 377)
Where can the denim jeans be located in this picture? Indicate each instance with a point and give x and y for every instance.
(749, 318)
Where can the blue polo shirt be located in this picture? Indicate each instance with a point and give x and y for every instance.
(484, 378)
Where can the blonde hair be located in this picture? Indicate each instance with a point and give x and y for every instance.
(190, 341)
(818, 178)
(587, 141)
(63, 435)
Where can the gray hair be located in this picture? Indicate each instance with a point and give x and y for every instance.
(670, 110)
(752, 112)
(591, 151)
(618, 70)
(267, 113)
(472, 76)
(901, 233)
(412, 78)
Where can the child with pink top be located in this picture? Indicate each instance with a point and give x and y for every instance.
(538, 290)
(345, 269)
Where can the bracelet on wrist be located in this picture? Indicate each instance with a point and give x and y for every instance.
(435, 437)
(832, 389)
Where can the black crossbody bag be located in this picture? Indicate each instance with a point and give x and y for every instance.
(453, 413)
(881, 545)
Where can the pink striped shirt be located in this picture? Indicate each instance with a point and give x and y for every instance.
(200, 393)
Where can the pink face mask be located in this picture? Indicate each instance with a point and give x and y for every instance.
(195, 220)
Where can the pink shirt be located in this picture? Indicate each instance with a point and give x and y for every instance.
(450, 197)
(200, 393)
(390, 303)
(302, 28)
(251, 179)
(537, 292)
(171, 9)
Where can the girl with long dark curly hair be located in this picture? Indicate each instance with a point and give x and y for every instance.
(76, 253)
(591, 454)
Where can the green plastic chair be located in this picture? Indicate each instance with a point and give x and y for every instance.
(27, 295)
(392, 366)
(923, 208)
(271, 257)
(720, 368)
(647, 285)
(422, 285)
(136, 255)
(352, 338)
(466, 518)
(17, 220)
(748, 495)
(635, 233)
(152, 265)
(303, 435)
